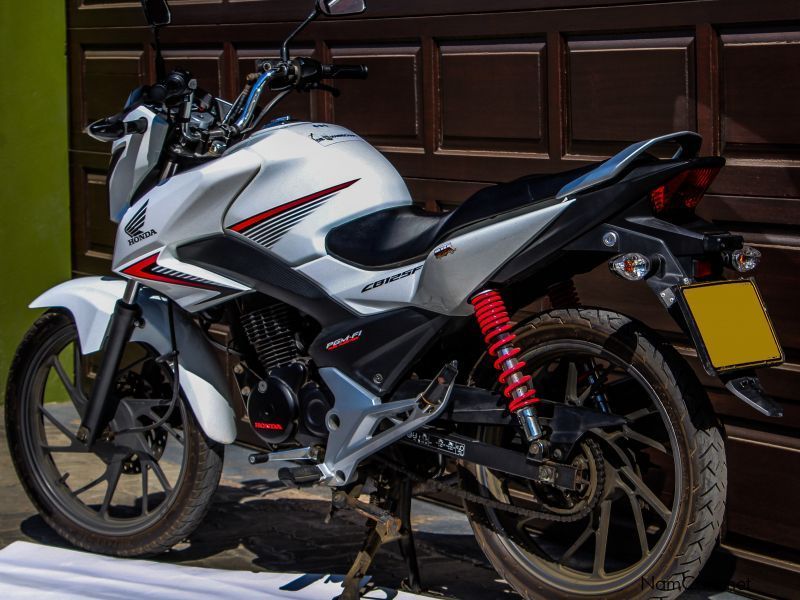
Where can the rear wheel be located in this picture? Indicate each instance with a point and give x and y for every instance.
(651, 507)
(145, 486)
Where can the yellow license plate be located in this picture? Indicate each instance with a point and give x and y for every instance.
(732, 324)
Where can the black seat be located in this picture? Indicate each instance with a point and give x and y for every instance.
(402, 234)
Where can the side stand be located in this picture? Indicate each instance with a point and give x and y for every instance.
(384, 527)
(407, 547)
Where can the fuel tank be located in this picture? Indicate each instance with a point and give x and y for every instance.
(314, 177)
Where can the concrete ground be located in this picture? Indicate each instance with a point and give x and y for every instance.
(257, 524)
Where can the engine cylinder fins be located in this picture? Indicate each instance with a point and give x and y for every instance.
(270, 331)
(496, 328)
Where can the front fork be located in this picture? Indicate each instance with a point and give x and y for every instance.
(102, 405)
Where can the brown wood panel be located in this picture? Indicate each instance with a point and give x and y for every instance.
(103, 72)
(624, 89)
(479, 108)
(92, 233)
(760, 92)
(205, 64)
(769, 474)
(394, 87)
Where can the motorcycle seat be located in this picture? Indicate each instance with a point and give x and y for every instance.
(404, 234)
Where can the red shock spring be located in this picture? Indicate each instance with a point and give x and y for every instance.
(493, 319)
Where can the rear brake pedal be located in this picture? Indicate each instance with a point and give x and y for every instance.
(299, 476)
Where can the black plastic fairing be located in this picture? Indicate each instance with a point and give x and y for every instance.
(377, 351)
(245, 263)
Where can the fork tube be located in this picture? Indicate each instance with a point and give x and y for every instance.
(102, 406)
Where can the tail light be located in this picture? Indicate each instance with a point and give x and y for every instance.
(684, 191)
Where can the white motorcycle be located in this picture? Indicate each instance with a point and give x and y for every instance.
(277, 287)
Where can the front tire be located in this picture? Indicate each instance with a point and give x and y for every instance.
(656, 553)
(142, 492)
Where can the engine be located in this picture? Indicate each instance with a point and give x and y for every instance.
(285, 404)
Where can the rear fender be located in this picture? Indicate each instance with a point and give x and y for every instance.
(91, 300)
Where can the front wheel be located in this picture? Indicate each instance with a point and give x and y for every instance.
(651, 507)
(146, 484)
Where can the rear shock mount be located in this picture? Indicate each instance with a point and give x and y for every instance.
(495, 324)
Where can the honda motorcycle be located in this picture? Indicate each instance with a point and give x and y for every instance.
(277, 287)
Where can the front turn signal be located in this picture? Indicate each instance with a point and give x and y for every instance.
(632, 266)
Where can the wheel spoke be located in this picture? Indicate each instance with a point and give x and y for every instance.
(641, 413)
(571, 392)
(636, 509)
(112, 476)
(74, 447)
(647, 441)
(601, 539)
(145, 504)
(162, 478)
(77, 398)
(587, 533)
(644, 492)
(60, 426)
(89, 485)
(77, 368)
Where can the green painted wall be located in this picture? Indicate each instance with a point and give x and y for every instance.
(34, 190)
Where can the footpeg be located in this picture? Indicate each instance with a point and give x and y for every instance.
(299, 476)
(293, 454)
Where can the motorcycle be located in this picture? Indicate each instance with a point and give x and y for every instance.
(276, 287)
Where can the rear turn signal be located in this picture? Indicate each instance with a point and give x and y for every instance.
(746, 259)
(632, 266)
(684, 191)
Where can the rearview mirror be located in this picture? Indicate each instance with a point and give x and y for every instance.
(335, 8)
(157, 12)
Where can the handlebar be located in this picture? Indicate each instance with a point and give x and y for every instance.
(344, 71)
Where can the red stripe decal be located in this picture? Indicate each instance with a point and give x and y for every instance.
(143, 270)
(256, 219)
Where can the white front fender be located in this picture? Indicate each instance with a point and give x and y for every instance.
(91, 301)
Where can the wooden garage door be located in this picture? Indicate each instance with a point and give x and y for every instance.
(466, 92)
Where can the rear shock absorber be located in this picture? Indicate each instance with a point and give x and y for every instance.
(493, 319)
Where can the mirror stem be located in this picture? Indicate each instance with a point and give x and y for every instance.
(285, 46)
(161, 67)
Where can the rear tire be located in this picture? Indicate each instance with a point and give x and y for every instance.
(166, 516)
(696, 449)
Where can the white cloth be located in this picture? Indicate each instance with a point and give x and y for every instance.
(43, 572)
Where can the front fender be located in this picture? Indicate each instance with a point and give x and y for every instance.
(91, 300)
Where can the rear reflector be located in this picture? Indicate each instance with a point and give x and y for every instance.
(684, 191)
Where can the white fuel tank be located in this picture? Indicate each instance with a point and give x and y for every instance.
(314, 177)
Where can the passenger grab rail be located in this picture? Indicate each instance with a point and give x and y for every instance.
(688, 141)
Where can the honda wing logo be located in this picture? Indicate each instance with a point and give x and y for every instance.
(135, 227)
